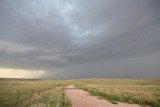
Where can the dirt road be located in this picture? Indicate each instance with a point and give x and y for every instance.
(80, 98)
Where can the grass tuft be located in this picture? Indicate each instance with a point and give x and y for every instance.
(143, 92)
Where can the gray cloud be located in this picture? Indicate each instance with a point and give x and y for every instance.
(57, 35)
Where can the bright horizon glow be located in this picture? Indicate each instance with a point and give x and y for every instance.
(19, 73)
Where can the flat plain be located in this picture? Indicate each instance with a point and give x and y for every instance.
(50, 93)
(33, 93)
(133, 91)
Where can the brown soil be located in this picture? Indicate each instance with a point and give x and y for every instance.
(80, 98)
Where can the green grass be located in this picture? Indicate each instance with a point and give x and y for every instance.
(25, 93)
(55, 99)
(144, 92)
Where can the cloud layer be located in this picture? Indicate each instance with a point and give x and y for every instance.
(52, 35)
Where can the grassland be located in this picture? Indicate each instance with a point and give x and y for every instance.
(29, 93)
(144, 92)
(50, 93)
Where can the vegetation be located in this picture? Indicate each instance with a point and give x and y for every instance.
(144, 92)
(50, 93)
(27, 93)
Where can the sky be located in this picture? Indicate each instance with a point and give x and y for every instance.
(61, 39)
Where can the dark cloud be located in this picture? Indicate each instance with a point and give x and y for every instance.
(57, 35)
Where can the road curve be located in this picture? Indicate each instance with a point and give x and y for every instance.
(80, 98)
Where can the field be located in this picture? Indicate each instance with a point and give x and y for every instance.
(143, 92)
(50, 93)
(33, 93)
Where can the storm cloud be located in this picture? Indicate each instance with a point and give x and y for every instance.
(79, 38)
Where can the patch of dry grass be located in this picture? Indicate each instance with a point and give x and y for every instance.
(25, 93)
(144, 92)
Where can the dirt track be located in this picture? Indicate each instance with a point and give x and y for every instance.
(80, 98)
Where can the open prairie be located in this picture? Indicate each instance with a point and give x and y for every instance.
(50, 93)
(33, 93)
(79, 53)
(143, 92)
